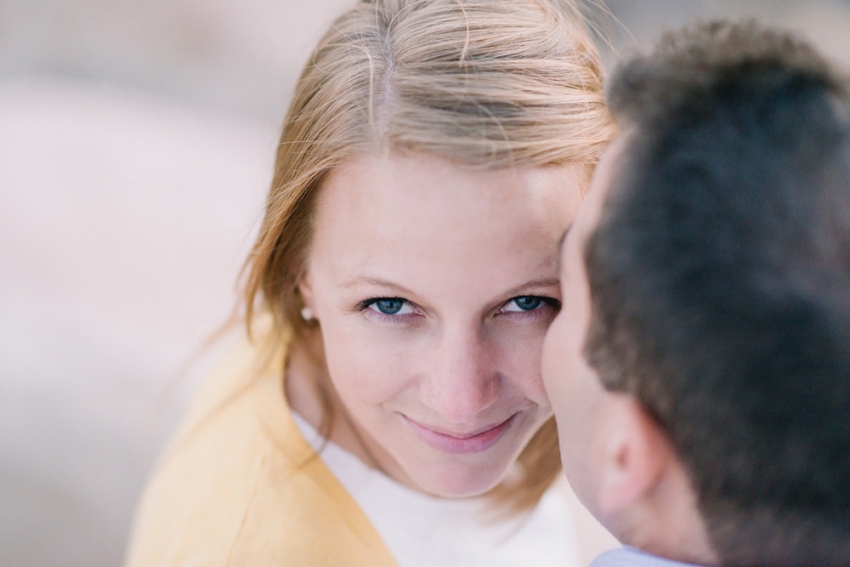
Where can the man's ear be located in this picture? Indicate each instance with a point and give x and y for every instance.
(634, 454)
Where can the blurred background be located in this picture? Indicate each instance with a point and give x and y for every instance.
(136, 146)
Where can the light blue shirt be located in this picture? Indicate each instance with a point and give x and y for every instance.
(631, 557)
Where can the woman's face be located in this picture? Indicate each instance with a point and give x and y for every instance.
(434, 285)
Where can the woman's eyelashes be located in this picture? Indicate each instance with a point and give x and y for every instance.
(388, 307)
(397, 309)
(530, 304)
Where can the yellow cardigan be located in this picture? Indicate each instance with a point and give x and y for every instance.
(241, 486)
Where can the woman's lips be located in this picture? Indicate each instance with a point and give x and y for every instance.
(460, 443)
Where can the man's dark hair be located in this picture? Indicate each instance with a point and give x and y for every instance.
(720, 282)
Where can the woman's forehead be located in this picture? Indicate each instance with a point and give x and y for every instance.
(413, 221)
(426, 180)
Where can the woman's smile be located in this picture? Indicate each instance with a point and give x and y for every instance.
(460, 442)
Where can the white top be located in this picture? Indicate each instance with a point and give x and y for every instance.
(424, 531)
(631, 557)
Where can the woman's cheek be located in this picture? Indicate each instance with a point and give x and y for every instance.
(369, 367)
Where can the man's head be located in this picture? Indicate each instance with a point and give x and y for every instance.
(700, 367)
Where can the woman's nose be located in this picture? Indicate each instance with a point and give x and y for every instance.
(462, 380)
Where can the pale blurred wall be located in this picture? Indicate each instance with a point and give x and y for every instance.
(136, 140)
(823, 22)
(234, 57)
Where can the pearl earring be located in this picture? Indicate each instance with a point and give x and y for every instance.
(307, 313)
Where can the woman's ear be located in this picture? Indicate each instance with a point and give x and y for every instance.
(634, 454)
(305, 290)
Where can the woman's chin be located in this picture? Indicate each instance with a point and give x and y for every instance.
(459, 481)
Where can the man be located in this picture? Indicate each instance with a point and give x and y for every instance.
(700, 366)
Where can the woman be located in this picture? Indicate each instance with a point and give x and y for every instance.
(398, 294)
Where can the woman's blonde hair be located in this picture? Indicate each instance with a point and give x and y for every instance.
(483, 83)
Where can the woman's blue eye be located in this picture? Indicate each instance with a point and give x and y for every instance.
(390, 306)
(528, 302)
(523, 303)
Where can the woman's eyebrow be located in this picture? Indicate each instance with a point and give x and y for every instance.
(366, 280)
(545, 282)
